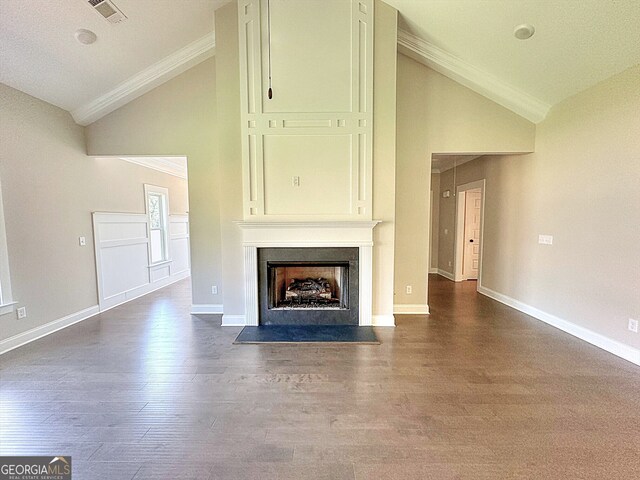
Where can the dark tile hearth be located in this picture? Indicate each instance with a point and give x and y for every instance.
(308, 334)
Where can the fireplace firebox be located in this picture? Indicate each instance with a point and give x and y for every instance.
(308, 286)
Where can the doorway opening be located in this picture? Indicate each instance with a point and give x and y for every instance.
(469, 227)
(141, 229)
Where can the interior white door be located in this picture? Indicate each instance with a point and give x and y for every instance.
(471, 252)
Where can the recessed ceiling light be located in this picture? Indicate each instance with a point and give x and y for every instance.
(85, 37)
(524, 31)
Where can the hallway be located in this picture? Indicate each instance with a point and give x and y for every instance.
(476, 390)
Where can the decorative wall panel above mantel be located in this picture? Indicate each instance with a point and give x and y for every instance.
(307, 151)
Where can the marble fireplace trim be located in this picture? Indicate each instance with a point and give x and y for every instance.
(308, 234)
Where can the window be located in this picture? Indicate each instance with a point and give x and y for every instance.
(158, 213)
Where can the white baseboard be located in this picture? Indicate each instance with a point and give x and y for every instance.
(446, 274)
(46, 329)
(234, 321)
(206, 308)
(612, 346)
(433, 270)
(383, 321)
(411, 309)
(137, 292)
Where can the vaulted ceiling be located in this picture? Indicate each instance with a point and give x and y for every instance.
(577, 44)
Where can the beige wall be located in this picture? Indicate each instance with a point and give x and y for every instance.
(581, 186)
(230, 155)
(438, 115)
(384, 157)
(49, 189)
(177, 118)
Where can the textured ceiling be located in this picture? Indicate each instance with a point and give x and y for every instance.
(577, 42)
(40, 56)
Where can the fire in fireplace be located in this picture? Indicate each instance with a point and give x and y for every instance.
(317, 286)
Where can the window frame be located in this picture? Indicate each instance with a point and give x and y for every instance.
(7, 305)
(163, 193)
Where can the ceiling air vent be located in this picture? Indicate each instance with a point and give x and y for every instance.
(108, 10)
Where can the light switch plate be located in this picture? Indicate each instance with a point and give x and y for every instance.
(22, 313)
(545, 239)
(82, 241)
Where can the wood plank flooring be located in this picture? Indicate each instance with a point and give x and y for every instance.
(474, 391)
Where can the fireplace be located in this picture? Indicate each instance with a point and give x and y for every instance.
(308, 286)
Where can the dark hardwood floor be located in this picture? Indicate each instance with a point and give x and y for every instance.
(474, 391)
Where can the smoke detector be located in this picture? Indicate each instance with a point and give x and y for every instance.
(85, 37)
(108, 10)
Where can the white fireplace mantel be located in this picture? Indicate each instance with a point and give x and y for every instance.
(308, 234)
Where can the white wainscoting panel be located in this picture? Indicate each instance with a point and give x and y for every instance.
(122, 256)
(179, 238)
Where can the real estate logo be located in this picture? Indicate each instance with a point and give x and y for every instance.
(35, 468)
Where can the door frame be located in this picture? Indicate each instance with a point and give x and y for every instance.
(459, 233)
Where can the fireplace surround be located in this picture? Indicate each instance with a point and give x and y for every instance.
(308, 286)
(307, 235)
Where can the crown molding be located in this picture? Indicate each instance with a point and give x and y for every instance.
(477, 80)
(161, 164)
(149, 78)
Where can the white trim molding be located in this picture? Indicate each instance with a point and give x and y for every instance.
(468, 75)
(433, 270)
(411, 309)
(144, 81)
(445, 274)
(383, 321)
(459, 230)
(7, 308)
(166, 164)
(307, 234)
(206, 309)
(619, 349)
(141, 291)
(234, 321)
(46, 329)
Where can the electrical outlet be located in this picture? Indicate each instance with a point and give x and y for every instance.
(22, 313)
(446, 231)
(82, 241)
(214, 290)
(409, 289)
(295, 181)
(633, 325)
(449, 262)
